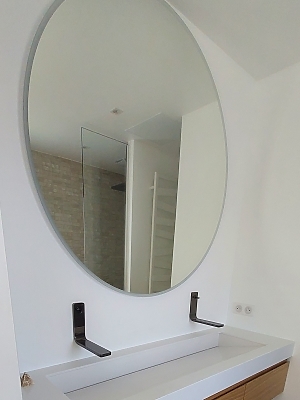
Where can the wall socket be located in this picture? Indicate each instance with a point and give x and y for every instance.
(243, 309)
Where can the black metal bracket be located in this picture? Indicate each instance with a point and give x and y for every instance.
(79, 332)
(193, 313)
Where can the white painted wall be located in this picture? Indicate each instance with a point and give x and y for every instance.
(257, 236)
(262, 121)
(266, 265)
(201, 187)
(146, 160)
(44, 277)
(10, 380)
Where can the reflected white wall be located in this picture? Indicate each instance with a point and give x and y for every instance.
(201, 188)
(146, 160)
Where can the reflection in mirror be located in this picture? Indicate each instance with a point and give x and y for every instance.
(153, 162)
(104, 182)
(138, 193)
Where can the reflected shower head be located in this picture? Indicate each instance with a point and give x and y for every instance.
(120, 187)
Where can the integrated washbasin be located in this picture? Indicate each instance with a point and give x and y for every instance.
(191, 366)
(152, 382)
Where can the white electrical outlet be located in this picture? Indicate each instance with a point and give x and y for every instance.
(237, 308)
(243, 309)
(248, 310)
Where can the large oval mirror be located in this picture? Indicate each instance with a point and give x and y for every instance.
(127, 140)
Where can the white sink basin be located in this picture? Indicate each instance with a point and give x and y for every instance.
(191, 366)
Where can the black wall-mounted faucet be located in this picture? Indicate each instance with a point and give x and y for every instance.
(79, 332)
(193, 313)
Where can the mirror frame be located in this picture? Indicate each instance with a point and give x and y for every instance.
(33, 176)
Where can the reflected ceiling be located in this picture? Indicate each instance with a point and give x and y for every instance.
(79, 93)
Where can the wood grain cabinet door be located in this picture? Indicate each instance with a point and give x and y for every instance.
(268, 385)
(236, 394)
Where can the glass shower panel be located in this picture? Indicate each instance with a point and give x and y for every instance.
(104, 204)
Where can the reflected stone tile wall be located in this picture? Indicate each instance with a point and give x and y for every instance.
(61, 185)
(60, 181)
(104, 225)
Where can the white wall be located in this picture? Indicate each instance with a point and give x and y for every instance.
(266, 272)
(260, 224)
(146, 160)
(201, 187)
(258, 235)
(44, 278)
(10, 380)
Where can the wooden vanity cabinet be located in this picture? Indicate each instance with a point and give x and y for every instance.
(263, 386)
(235, 394)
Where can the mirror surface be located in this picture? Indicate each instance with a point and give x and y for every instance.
(127, 140)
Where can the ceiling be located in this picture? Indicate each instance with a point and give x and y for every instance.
(262, 36)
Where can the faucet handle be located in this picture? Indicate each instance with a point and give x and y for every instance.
(193, 313)
(79, 332)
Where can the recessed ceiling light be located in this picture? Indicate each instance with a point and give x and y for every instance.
(116, 111)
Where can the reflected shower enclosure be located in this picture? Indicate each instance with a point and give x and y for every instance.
(104, 205)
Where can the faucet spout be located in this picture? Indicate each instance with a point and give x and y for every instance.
(193, 313)
(79, 332)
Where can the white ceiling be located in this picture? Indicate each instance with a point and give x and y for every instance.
(262, 36)
(97, 55)
(103, 152)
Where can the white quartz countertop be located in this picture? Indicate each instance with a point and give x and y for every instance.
(192, 366)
